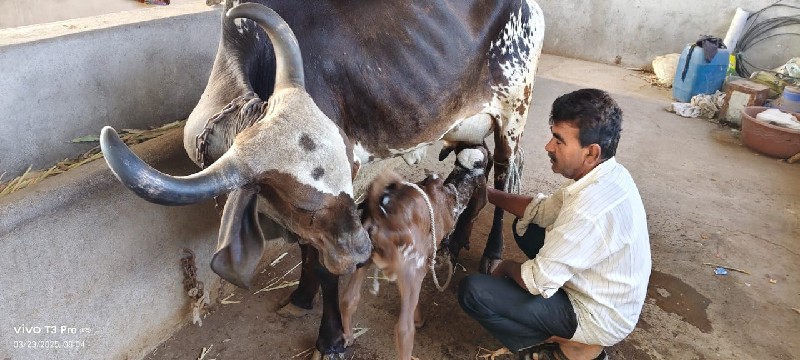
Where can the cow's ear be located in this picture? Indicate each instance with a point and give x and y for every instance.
(241, 242)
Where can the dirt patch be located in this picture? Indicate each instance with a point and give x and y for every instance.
(629, 350)
(245, 325)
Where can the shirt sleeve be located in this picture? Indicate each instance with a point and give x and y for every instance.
(574, 244)
(542, 211)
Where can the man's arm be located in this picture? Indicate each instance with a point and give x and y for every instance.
(512, 203)
(513, 270)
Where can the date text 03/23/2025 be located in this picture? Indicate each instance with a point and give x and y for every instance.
(49, 344)
(47, 337)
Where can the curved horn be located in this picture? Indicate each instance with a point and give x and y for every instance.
(154, 186)
(289, 62)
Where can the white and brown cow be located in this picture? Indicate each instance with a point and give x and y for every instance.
(407, 224)
(295, 109)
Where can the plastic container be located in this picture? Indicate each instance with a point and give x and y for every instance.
(790, 100)
(702, 77)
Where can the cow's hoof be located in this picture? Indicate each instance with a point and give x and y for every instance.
(488, 265)
(318, 356)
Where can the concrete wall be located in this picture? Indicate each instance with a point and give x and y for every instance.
(81, 251)
(15, 13)
(63, 80)
(637, 31)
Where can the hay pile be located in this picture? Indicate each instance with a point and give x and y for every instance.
(129, 136)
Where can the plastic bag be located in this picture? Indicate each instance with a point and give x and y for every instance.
(779, 118)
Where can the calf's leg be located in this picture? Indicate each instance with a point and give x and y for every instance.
(348, 301)
(409, 284)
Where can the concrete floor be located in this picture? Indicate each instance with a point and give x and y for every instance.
(709, 200)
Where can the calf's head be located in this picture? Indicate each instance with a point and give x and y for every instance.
(399, 221)
(294, 157)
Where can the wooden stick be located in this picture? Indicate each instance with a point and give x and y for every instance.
(727, 267)
(793, 159)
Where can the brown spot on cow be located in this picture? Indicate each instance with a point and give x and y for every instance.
(318, 172)
(307, 143)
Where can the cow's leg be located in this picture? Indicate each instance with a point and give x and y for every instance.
(301, 300)
(348, 301)
(514, 59)
(459, 239)
(409, 285)
(330, 342)
(503, 180)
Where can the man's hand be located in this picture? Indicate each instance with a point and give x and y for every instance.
(512, 269)
(513, 203)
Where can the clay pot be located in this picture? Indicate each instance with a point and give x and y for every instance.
(768, 139)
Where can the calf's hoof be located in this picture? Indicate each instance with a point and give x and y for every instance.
(349, 339)
(488, 265)
(288, 310)
(419, 323)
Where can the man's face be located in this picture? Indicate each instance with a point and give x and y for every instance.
(567, 156)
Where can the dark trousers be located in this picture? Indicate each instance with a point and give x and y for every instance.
(514, 316)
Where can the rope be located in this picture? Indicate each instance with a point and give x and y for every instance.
(243, 120)
(513, 177)
(433, 238)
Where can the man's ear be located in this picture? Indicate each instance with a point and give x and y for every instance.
(593, 154)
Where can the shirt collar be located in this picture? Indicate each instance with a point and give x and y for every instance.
(604, 168)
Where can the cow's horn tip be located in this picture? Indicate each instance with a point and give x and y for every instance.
(108, 130)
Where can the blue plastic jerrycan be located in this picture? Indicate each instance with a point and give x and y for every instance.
(702, 76)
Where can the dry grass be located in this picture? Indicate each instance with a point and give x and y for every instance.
(129, 136)
(649, 76)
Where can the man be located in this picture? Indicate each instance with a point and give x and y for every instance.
(585, 283)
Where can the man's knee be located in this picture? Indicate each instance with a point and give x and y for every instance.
(465, 288)
(472, 292)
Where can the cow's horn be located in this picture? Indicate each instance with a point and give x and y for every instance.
(289, 62)
(154, 186)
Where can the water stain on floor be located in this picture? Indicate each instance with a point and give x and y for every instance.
(675, 296)
(727, 136)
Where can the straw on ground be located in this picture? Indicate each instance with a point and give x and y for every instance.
(129, 136)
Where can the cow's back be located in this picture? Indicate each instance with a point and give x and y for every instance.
(396, 73)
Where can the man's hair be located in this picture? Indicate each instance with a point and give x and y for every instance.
(595, 113)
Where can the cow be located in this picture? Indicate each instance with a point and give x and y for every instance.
(407, 223)
(304, 99)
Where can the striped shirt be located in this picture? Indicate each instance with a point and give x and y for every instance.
(596, 248)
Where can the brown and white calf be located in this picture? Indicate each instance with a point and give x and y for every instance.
(401, 223)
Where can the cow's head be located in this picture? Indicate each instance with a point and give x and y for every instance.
(294, 156)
